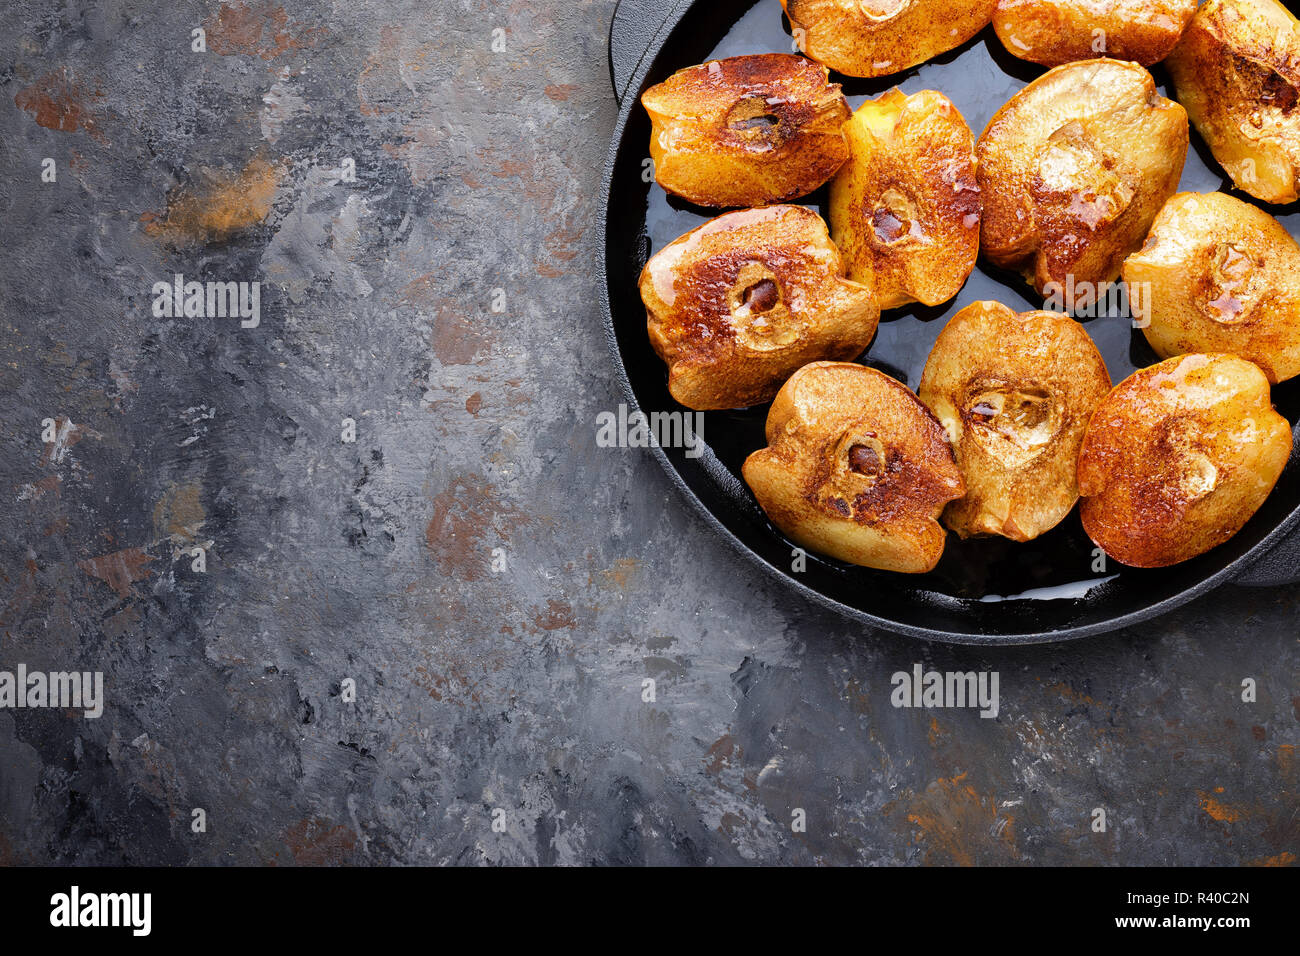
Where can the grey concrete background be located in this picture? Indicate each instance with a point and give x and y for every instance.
(517, 691)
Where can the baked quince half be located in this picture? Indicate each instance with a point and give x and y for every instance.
(747, 130)
(1220, 275)
(1052, 32)
(1237, 70)
(856, 468)
(1015, 391)
(744, 300)
(1073, 169)
(1178, 457)
(905, 208)
(879, 37)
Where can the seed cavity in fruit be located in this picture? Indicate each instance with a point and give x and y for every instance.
(1230, 289)
(1072, 163)
(761, 296)
(860, 456)
(755, 119)
(1199, 476)
(867, 459)
(1181, 445)
(894, 218)
(1013, 425)
(759, 312)
(881, 9)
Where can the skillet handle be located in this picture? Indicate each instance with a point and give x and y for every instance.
(1278, 566)
(635, 24)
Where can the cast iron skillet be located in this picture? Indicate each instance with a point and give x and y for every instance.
(983, 591)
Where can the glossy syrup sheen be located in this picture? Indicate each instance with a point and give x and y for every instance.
(979, 77)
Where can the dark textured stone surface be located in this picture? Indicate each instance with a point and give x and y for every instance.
(477, 691)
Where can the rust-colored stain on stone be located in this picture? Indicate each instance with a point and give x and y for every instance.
(510, 169)
(179, 514)
(464, 513)
(620, 575)
(456, 340)
(1286, 760)
(722, 755)
(562, 91)
(58, 102)
(961, 826)
(1068, 693)
(474, 403)
(1216, 810)
(454, 687)
(225, 204)
(1281, 859)
(119, 569)
(560, 242)
(318, 842)
(255, 29)
(558, 615)
(39, 489)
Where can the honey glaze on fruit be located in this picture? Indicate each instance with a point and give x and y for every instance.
(905, 208)
(870, 482)
(1014, 391)
(1223, 276)
(878, 37)
(735, 306)
(855, 468)
(1178, 457)
(746, 130)
(1237, 71)
(1073, 169)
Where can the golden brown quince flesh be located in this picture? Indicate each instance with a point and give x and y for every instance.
(1220, 275)
(1052, 32)
(1015, 392)
(905, 208)
(747, 130)
(1073, 169)
(1178, 457)
(738, 304)
(856, 468)
(1237, 70)
(879, 37)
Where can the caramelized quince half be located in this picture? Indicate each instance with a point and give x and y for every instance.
(905, 208)
(739, 303)
(1015, 392)
(1052, 32)
(879, 37)
(747, 130)
(1219, 275)
(856, 468)
(1178, 457)
(1073, 169)
(1237, 70)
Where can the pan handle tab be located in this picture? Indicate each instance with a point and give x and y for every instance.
(635, 25)
(1279, 565)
